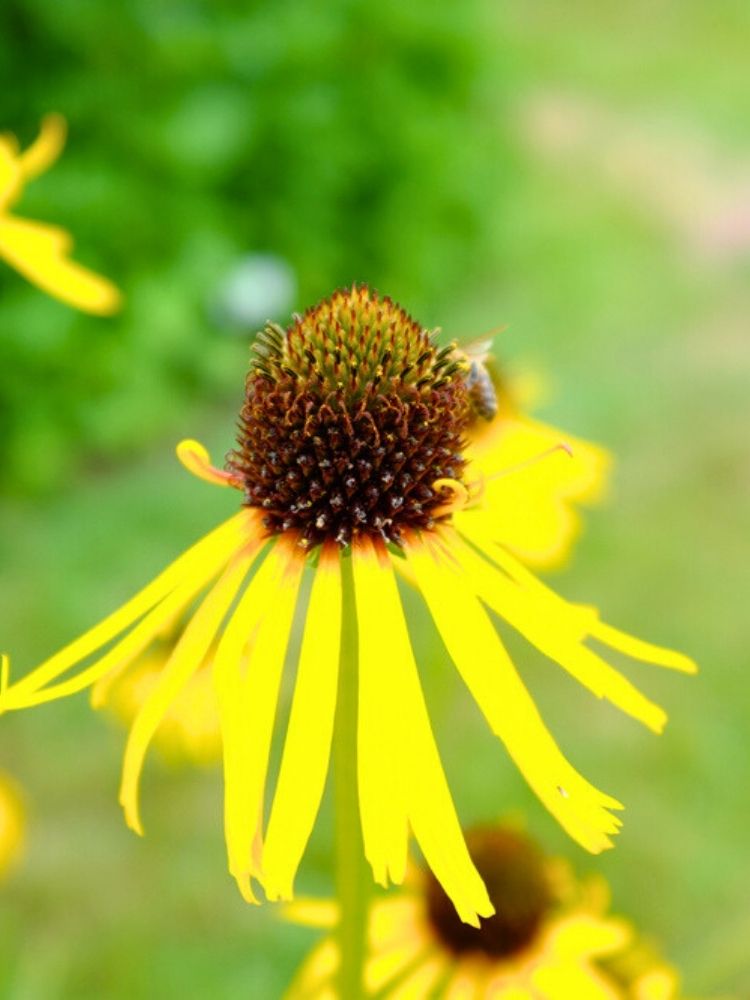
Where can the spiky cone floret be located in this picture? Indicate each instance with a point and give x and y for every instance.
(37, 250)
(436, 535)
(551, 938)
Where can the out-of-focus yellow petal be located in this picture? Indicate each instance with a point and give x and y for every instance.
(422, 981)
(12, 824)
(314, 979)
(565, 981)
(419, 772)
(490, 675)
(11, 178)
(307, 912)
(200, 561)
(395, 939)
(190, 729)
(40, 253)
(45, 149)
(533, 509)
(657, 984)
(584, 935)
(186, 657)
(463, 984)
(307, 750)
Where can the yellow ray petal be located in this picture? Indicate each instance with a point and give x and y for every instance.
(184, 660)
(40, 253)
(640, 650)
(247, 704)
(422, 982)
(577, 619)
(396, 938)
(45, 149)
(379, 774)
(544, 623)
(588, 618)
(584, 935)
(314, 979)
(463, 985)
(123, 652)
(405, 757)
(221, 540)
(307, 749)
(196, 459)
(322, 913)
(490, 675)
(12, 824)
(563, 981)
(390, 963)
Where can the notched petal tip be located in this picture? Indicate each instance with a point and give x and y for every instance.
(244, 884)
(195, 458)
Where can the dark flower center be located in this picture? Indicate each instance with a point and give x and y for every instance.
(350, 417)
(513, 871)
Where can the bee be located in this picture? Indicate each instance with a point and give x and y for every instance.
(478, 380)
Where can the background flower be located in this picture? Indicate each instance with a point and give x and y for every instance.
(550, 939)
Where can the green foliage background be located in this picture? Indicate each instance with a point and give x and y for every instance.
(580, 172)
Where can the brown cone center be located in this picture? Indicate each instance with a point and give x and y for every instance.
(513, 871)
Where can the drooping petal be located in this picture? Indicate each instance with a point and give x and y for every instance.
(184, 660)
(201, 558)
(640, 650)
(259, 631)
(382, 795)
(304, 764)
(400, 773)
(490, 675)
(40, 253)
(544, 623)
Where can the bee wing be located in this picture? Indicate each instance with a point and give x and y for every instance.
(480, 348)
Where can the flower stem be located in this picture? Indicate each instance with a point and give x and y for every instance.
(352, 879)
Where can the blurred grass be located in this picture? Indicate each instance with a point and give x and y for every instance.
(646, 345)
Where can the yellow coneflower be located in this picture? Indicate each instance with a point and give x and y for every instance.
(40, 252)
(500, 435)
(350, 464)
(550, 938)
(535, 509)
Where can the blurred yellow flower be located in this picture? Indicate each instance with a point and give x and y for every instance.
(12, 821)
(535, 508)
(349, 463)
(549, 939)
(190, 729)
(39, 251)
